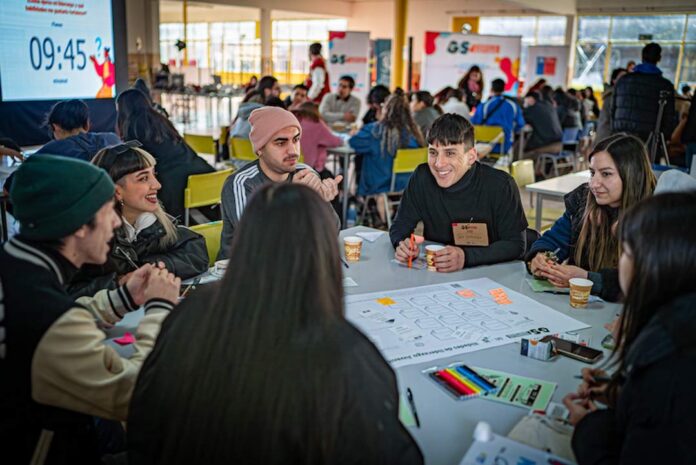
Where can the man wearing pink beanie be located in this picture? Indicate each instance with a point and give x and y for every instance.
(275, 136)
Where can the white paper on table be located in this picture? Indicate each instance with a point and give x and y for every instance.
(426, 323)
(370, 236)
(502, 450)
(349, 282)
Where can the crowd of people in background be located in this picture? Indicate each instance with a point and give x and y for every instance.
(110, 240)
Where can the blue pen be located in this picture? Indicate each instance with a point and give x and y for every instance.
(470, 374)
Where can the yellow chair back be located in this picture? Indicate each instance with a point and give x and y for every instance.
(200, 143)
(242, 149)
(490, 135)
(406, 161)
(211, 232)
(205, 189)
(523, 172)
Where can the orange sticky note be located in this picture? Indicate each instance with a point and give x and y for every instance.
(385, 301)
(467, 293)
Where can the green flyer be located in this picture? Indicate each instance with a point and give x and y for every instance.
(520, 391)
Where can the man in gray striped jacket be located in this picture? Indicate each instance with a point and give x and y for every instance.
(275, 136)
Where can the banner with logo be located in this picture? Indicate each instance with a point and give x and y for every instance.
(349, 53)
(448, 56)
(547, 62)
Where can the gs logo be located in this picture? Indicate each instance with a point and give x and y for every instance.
(455, 47)
(338, 59)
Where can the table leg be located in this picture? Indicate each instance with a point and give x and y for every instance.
(539, 201)
(346, 187)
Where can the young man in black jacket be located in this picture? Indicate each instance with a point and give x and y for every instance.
(57, 371)
(472, 208)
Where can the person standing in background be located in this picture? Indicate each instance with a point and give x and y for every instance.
(471, 86)
(318, 79)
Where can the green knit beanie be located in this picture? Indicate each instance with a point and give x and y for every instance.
(54, 196)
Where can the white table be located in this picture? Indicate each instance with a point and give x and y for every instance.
(447, 425)
(555, 189)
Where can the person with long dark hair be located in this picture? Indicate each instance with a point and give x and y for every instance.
(471, 86)
(376, 143)
(272, 374)
(147, 234)
(651, 414)
(584, 238)
(176, 160)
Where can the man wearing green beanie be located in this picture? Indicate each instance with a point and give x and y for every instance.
(56, 370)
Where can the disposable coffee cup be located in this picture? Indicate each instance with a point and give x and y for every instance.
(580, 292)
(430, 251)
(353, 247)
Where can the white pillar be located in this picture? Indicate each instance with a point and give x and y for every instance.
(571, 37)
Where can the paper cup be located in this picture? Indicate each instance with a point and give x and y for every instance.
(579, 292)
(430, 251)
(353, 247)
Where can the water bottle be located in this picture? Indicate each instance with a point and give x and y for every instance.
(351, 215)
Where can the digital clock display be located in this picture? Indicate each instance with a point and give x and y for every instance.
(56, 49)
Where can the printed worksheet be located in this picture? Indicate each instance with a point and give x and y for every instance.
(430, 322)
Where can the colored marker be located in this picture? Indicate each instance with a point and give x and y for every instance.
(455, 383)
(471, 374)
(465, 381)
(410, 249)
(409, 396)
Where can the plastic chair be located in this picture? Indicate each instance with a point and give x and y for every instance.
(201, 144)
(203, 189)
(242, 149)
(211, 232)
(563, 159)
(522, 172)
(491, 135)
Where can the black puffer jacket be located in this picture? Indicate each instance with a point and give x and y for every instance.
(655, 418)
(635, 105)
(186, 258)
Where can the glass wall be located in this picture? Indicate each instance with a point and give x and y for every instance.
(608, 42)
(233, 49)
(535, 30)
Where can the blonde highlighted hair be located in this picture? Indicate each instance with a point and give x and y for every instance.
(124, 159)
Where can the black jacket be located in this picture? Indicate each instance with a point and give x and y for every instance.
(635, 105)
(655, 417)
(563, 236)
(186, 258)
(160, 414)
(689, 134)
(544, 120)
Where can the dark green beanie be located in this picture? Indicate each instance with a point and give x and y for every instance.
(54, 196)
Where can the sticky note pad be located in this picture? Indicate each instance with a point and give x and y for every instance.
(125, 340)
(467, 293)
(419, 239)
(385, 301)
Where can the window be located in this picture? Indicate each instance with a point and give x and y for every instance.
(291, 40)
(535, 30)
(608, 42)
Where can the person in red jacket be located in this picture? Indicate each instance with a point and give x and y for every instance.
(318, 79)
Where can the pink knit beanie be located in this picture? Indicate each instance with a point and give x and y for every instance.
(266, 121)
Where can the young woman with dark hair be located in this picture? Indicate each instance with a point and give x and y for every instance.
(316, 136)
(651, 414)
(471, 86)
(585, 236)
(272, 374)
(146, 234)
(377, 143)
(176, 161)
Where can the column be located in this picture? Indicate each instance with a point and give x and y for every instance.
(571, 37)
(185, 6)
(397, 75)
(266, 42)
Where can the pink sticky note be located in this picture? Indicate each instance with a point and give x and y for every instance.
(125, 339)
(419, 239)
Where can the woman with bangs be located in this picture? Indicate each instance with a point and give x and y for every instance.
(147, 233)
(583, 242)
